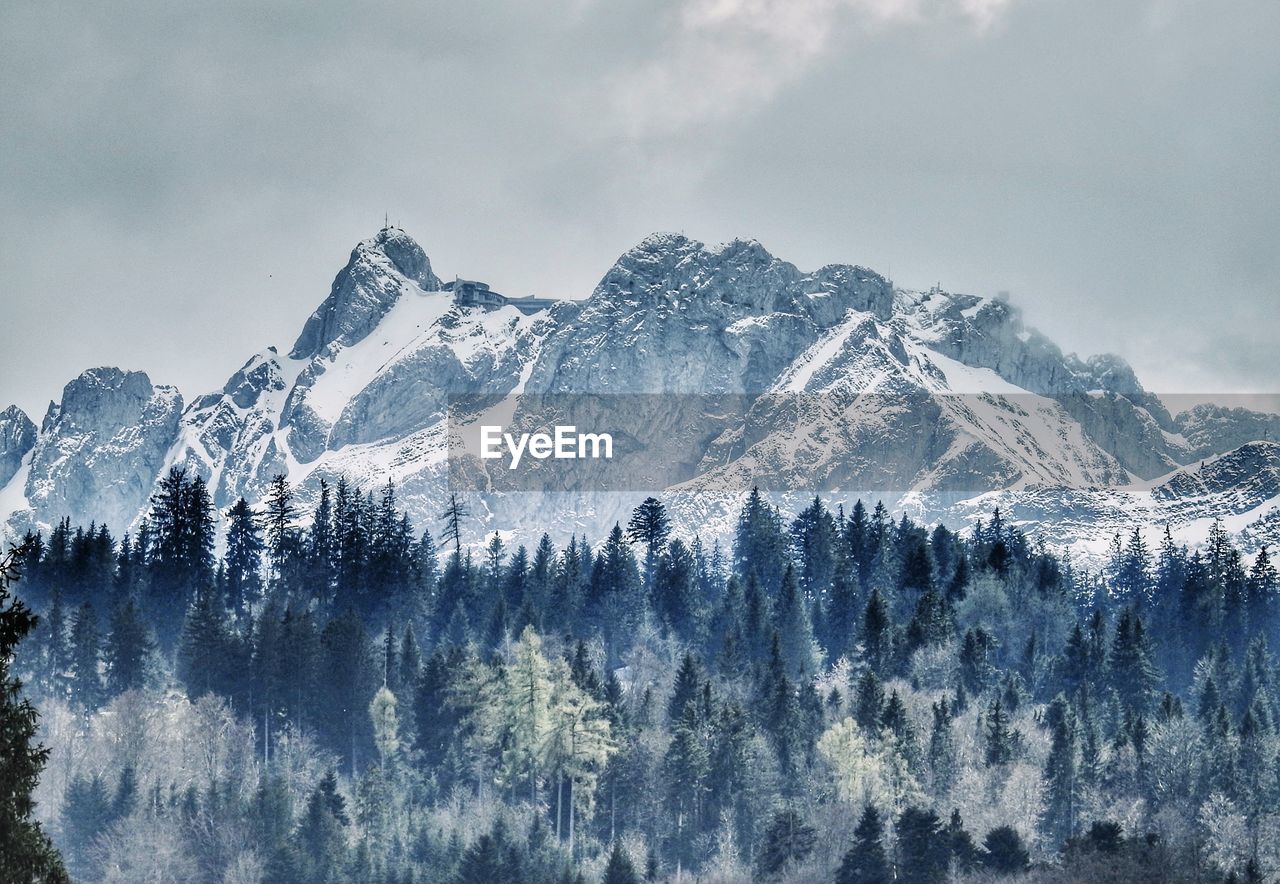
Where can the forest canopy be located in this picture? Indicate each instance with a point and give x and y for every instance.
(834, 695)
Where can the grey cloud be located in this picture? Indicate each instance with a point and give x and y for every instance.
(179, 182)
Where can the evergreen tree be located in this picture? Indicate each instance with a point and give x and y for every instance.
(787, 842)
(57, 652)
(794, 628)
(1003, 851)
(348, 679)
(759, 545)
(866, 861)
(278, 520)
(204, 649)
(876, 626)
(129, 645)
(1060, 774)
(453, 517)
(26, 850)
(1002, 741)
(650, 527)
(244, 556)
(619, 869)
(923, 850)
(674, 589)
(1133, 673)
(86, 812)
(86, 681)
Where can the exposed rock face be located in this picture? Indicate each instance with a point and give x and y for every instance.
(365, 291)
(1209, 429)
(676, 316)
(17, 437)
(101, 449)
(722, 366)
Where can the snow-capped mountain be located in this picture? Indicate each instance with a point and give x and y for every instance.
(718, 367)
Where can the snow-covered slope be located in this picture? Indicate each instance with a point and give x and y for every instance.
(719, 367)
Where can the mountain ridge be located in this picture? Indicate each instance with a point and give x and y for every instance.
(367, 388)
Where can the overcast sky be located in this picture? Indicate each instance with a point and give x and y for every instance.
(179, 182)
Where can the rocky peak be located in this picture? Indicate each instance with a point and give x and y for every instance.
(378, 272)
(102, 447)
(103, 395)
(17, 437)
(257, 376)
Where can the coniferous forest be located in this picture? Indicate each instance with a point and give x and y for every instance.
(836, 695)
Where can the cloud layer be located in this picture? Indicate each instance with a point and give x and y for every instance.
(173, 174)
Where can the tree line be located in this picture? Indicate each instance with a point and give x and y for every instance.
(837, 695)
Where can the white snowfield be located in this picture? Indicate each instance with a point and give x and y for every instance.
(945, 405)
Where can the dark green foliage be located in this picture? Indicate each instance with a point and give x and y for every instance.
(86, 680)
(731, 750)
(788, 841)
(923, 848)
(866, 861)
(619, 869)
(24, 847)
(1003, 851)
(129, 644)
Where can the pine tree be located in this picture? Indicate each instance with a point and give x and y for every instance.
(866, 861)
(868, 702)
(876, 628)
(650, 526)
(321, 837)
(787, 842)
(619, 869)
(942, 748)
(86, 681)
(1060, 774)
(347, 679)
(687, 687)
(57, 653)
(686, 767)
(794, 628)
(25, 848)
(923, 849)
(1133, 673)
(1002, 743)
(453, 516)
(129, 645)
(814, 540)
(204, 648)
(674, 589)
(278, 520)
(322, 548)
(86, 812)
(1003, 851)
(759, 544)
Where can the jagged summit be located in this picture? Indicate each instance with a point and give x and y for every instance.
(966, 399)
(17, 437)
(378, 272)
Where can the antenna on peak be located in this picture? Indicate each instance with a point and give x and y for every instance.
(385, 220)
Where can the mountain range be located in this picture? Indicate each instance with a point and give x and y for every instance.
(718, 367)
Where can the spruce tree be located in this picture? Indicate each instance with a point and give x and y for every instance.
(650, 527)
(129, 645)
(866, 861)
(794, 627)
(26, 851)
(1004, 852)
(1060, 774)
(923, 849)
(244, 556)
(619, 869)
(787, 842)
(86, 681)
